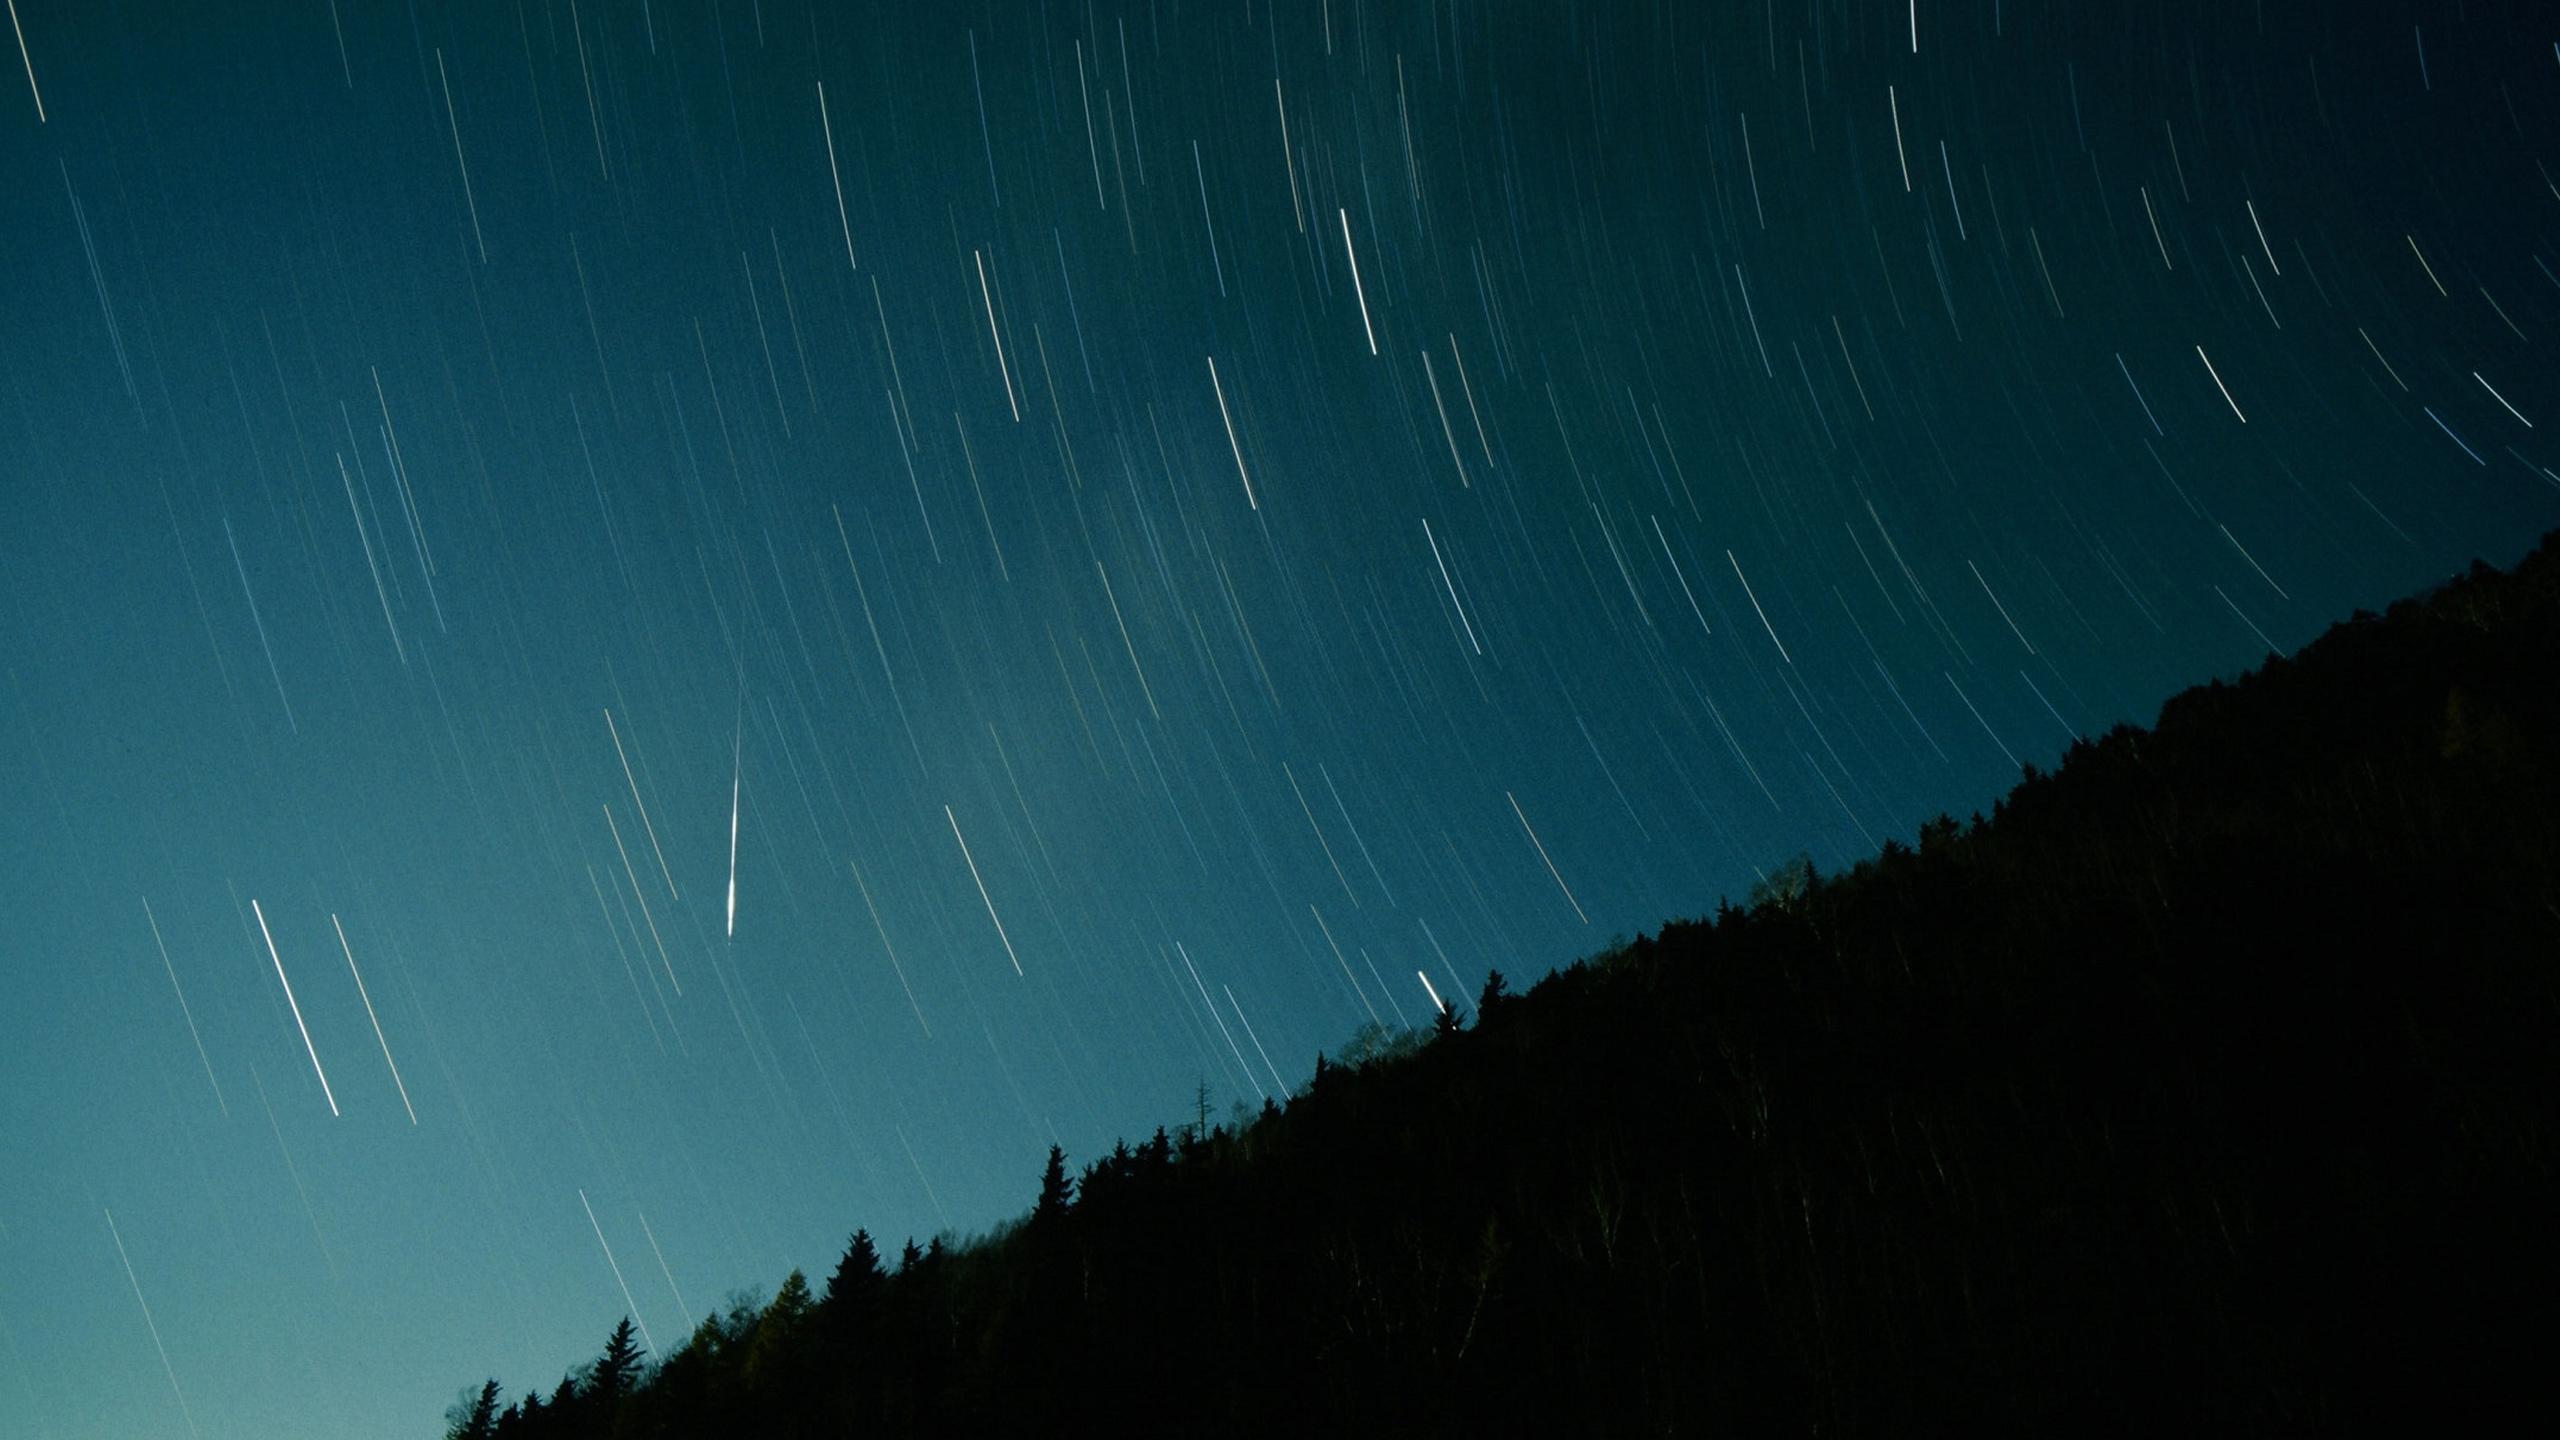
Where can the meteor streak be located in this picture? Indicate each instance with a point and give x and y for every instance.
(736, 754)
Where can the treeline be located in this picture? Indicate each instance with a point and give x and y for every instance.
(2208, 1083)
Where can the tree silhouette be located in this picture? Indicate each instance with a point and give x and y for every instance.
(792, 1303)
(777, 1343)
(2203, 1086)
(475, 1415)
(618, 1369)
(1447, 1021)
(1786, 886)
(567, 1403)
(856, 1284)
(1057, 1192)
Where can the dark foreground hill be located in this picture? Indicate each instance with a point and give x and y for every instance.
(2210, 1082)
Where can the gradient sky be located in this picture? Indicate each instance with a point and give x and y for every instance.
(775, 657)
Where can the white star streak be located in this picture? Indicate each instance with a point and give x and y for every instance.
(625, 857)
(1676, 575)
(1356, 287)
(982, 889)
(1001, 367)
(2218, 385)
(182, 1007)
(1985, 724)
(369, 1015)
(2004, 610)
(2423, 265)
(148, 1322)
(681, 1307)
(1895, 101)
(1126, 643)
(2502, 400)
(1336, 948)
(611, 729)
(617, 1272)
(1452, 587)
(260, 621)
(1256, 1039)
(30, 62)
(830, 129)
(455, 125)
(1212, 1007)
(1232, 446)
(1543, 860)
(297, 1007)
(2262, 237)
(859, 884)
(378, 592)
(1755, 608)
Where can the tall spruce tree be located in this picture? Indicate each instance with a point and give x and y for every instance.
(617, 1371)
(1057, 1192)
(475, 1416)
(855, 1285)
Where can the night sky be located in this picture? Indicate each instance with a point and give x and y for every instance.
(638, 633)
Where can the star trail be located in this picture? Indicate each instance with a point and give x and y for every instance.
(433, 437)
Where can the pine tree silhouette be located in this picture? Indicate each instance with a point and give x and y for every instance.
(475, 1417)
(856, 1284)
(2203, 1085)
(618, 1370)
(1057, 1192)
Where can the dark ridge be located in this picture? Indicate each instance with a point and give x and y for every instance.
(2208, 1084)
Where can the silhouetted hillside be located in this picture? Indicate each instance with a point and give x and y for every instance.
(2208, 1082)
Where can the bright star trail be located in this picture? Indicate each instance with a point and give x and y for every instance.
(389, 393)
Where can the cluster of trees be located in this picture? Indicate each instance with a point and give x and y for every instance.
(2207, 1083)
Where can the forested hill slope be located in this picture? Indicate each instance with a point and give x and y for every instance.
(2209, 1081)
